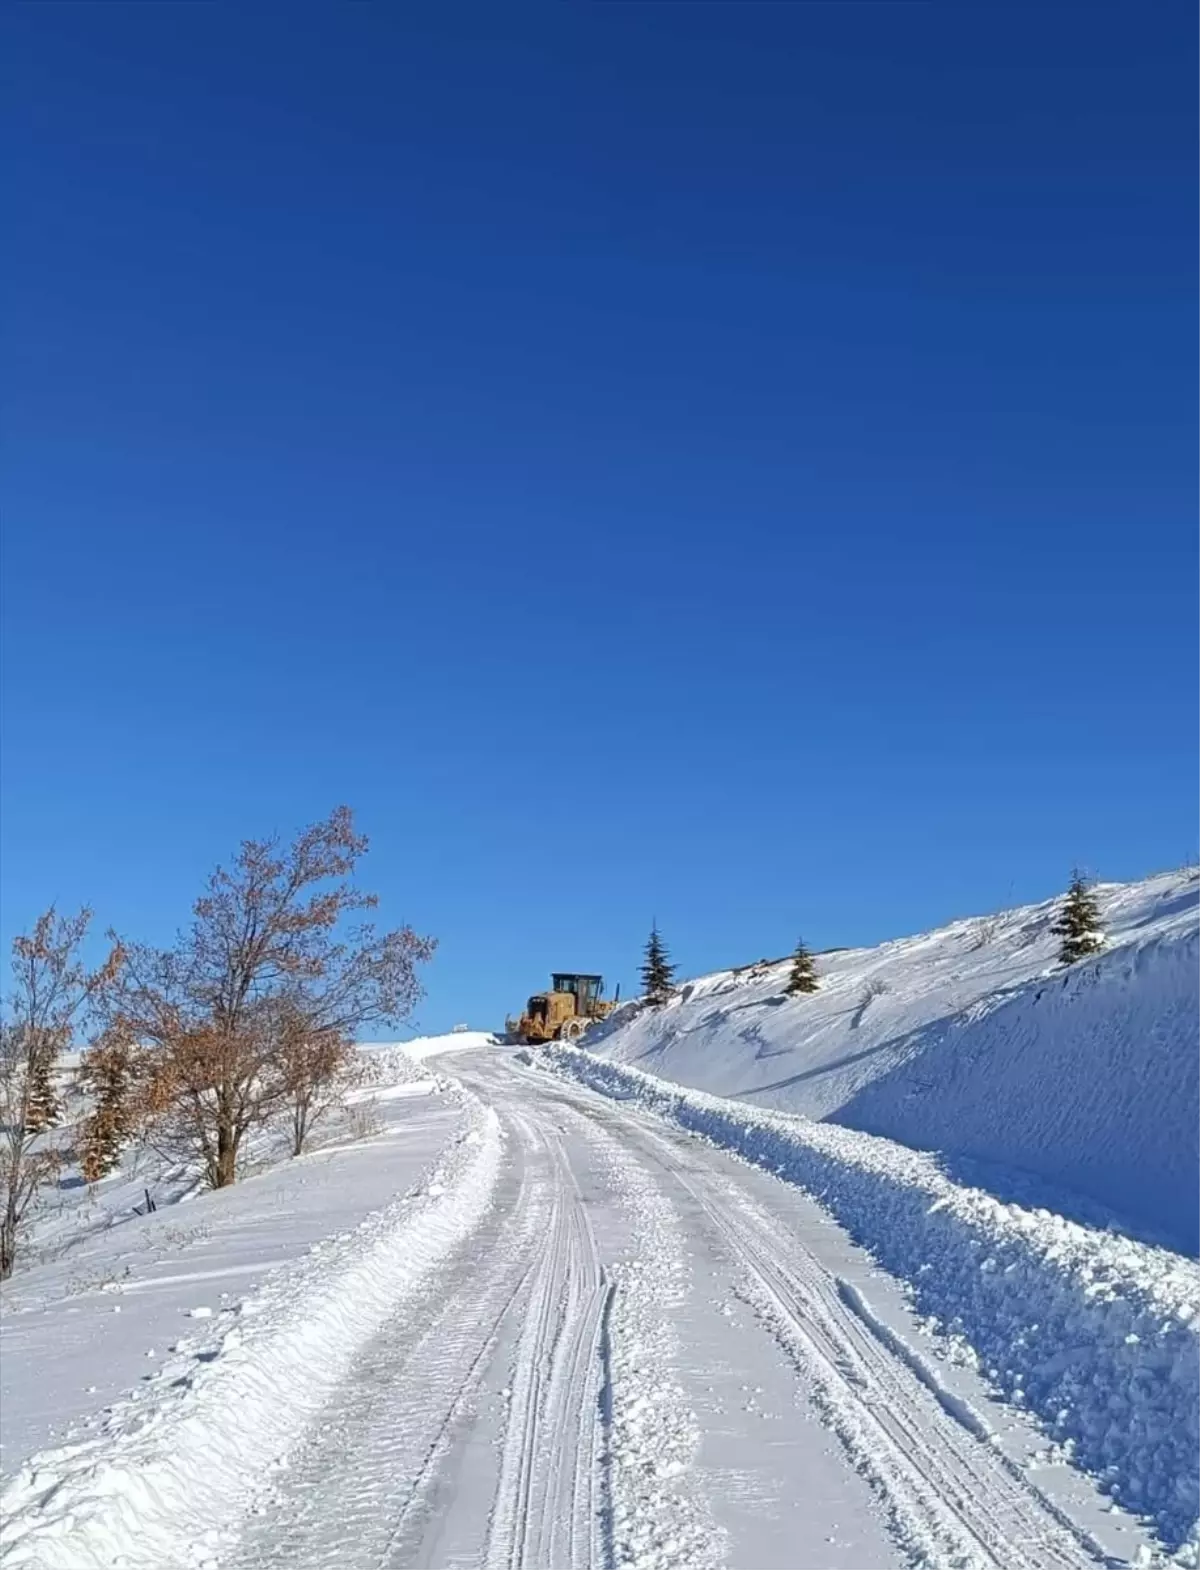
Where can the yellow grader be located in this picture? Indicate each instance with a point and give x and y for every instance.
(564, 1012)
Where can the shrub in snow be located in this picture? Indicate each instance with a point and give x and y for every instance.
(875, 988)
(316, 1070)
(986, 929)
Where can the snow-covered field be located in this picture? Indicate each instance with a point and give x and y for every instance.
(1080, 1089)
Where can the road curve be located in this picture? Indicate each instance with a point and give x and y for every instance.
(643, 1356)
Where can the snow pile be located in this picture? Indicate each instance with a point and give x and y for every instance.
(971, 1040)
(422, 1047)
(391, 1072)
(175, 1466)
(1097, 1335)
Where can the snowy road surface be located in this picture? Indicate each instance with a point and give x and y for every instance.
(643, 1355)
(624, 1347)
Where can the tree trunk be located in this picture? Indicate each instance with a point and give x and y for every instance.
(299, 1126)
(8, 1237)
(225, 1171)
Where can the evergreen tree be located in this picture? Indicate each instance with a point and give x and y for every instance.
(803, 977)
(657, 973)
(107, 1072)
(1079, 924)
(41, 1104)
(101, 1136)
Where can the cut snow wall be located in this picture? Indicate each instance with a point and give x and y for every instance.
(1078, 1089)
(1090, 1079)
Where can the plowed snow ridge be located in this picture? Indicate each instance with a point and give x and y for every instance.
(147, 1491)
(1094, 1333)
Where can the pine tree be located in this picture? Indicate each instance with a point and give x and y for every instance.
(1079, 924)
(41, 1104)
(100, 1139)
(107, 1072)
(657, 973)
(803, 976)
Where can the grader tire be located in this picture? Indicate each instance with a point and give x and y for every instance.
(572, 1030)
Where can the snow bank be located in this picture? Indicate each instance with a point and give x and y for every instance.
(175, 1465)
(1096, 1334)
(1088, 1078)
(971, 1041)
(422, 1047)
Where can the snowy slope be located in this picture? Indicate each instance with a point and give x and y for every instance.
(105, 1291)
(971, 1041)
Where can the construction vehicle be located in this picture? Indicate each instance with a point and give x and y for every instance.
(564, 1012)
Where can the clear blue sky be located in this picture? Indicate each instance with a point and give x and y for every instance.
(730, 463)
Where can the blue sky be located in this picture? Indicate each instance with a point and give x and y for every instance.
(734, 464)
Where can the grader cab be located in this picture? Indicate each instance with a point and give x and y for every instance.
(564, 1012)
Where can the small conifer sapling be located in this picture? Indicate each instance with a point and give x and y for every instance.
(1079, 924)
(657, 972)
(803, 976)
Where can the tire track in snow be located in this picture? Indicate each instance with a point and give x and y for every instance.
(653, 1513)
(952, 1499)
(546, 1510)
(408, 1456)
(363, 1490)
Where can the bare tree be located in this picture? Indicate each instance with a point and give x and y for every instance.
(53, 992)
(316, 1068)
(268, 960)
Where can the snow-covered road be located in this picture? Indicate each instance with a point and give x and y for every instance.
(648, 1353)
(544, 1308)
(529, 1324)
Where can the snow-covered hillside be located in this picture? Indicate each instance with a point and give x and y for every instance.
(971, 1041)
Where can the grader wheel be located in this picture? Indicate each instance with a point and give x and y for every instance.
(572, 1030)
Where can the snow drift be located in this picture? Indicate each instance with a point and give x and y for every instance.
(1097, 1335)
(971, 1041)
